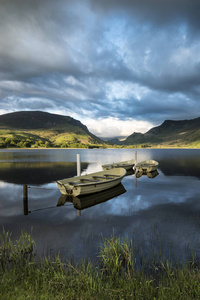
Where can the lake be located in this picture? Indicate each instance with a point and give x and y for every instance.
(160, 214)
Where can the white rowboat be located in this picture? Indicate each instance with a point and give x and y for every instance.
(127, 165)
(147, 165)
(91, 183)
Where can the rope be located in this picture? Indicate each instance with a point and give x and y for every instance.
(40, 188)
(50, 207)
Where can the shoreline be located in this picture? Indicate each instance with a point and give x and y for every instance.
(57, 148)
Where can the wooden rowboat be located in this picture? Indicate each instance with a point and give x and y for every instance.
(147, 165)
(91, 183)
(127, 165)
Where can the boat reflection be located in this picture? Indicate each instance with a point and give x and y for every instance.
(79, 203)
(152, 174)
(129, 172)
(87, 201)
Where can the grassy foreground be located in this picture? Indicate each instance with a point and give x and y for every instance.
(113, 277)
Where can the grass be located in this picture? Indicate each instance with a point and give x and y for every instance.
(114, 276)
(64, 137)
(46, 138)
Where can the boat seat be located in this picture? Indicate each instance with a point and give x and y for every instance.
(73, 182)
(82, 181)
(102, 177)
(113, 175)
(106, 176)
(87, 180)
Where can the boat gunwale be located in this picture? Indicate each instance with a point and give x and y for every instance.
(149, 163)
(121, 164)
(92, 182)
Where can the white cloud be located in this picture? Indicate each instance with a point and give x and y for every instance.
(113, 127)
(125, 90)
(109, 62)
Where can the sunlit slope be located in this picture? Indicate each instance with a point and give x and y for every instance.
(36, 127)
(41, 129)
(169, 133)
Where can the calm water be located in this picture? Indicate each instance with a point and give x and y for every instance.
(160, 214)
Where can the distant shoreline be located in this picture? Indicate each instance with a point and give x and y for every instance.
(56, 148)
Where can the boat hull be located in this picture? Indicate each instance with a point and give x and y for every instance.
(86, 201)
(92, 183)
(147, 166)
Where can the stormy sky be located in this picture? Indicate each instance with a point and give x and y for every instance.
(117, 66)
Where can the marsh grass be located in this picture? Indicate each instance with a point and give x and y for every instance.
(114, 276)
(116, 256)
(16, 254)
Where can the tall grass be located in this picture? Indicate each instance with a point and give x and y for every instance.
(116, 256)
(115, 275)
(16, 254)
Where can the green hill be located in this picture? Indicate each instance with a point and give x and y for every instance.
(41, 129)
(185, 133)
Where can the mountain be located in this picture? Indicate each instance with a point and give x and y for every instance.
(169, 133)
(37, 120)
(114, 141)
(42, 129)
(36, 128)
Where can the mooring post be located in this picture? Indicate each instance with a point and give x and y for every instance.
(78, 165)
(25, 199)
(135, 179)
(135, 159)
(135, 168)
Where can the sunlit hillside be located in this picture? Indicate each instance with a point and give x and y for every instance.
(38, 129)
(41, 129)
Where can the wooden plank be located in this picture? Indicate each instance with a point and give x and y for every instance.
(92, 180)
(113, 175)
(102, 177)
(72, 183)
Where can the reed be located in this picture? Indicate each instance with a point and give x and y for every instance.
(116, 256)
(17, 253)
(114, 276)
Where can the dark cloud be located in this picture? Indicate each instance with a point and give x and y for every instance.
(158, 12)
(101, 59)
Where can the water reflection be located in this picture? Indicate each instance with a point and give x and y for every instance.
(25, 199)
(180, 166)
(37, 172)
(79, 203)
(161, 211)
(130, 172)
(87, 201)
(152, 174)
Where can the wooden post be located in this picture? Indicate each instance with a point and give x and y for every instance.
(135, 158)
(78, 165)
(135, 168)
(25, 199)
(135, 178)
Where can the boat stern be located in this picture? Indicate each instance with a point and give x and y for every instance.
(65, 189)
